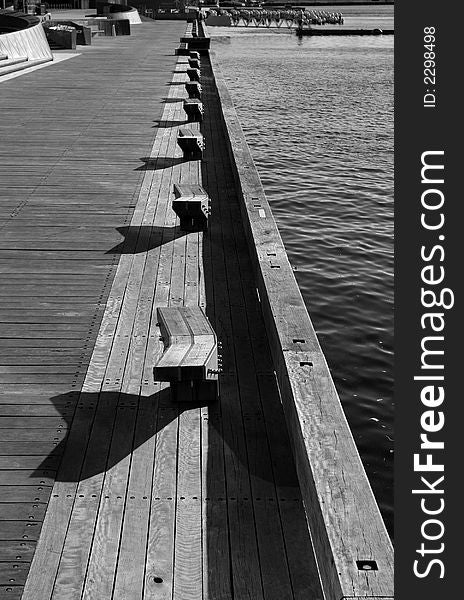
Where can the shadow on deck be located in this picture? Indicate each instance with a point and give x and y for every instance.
(138, 240)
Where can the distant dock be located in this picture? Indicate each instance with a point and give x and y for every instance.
(110, 489)
(319, 31)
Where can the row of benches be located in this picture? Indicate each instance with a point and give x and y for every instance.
(191, 142)
(190, 358)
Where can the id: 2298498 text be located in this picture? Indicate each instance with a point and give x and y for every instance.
(429, 67)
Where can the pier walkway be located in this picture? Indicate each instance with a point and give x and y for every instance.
(107, 487)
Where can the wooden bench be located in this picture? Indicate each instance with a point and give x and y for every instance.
(190, 358)
(193, 89)
(192, 206)
(201, 44)
(182, 50)
(191, 142)
(194, 63)
(194, 110)
(193, 74)
(194, 54)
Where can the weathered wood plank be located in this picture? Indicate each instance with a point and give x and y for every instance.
(188, 543)
(25, 493)
(32, 422)
(13, 574)
(22, 511)
(25, 477)
(16, 550)
(30, 461)
(20, 530)
(36, 410)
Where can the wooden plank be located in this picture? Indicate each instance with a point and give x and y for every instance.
(8, 461)
(9, 592)
(16, 550)
(188, 542)
(25, 493)
(26, 448)
(20, 530)
(22, 511)
(160, 552)
(25, 477)
(32, 422)
(29, 435)
(37, 410)
(13, 573)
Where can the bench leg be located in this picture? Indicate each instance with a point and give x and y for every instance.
(182, 391)
(201, 392)
(186, 223)
(207, 391)
(193, 224)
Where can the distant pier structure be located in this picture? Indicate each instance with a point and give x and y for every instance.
(260, 17)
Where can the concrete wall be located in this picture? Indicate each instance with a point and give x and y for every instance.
(131, 15)
(29, 42)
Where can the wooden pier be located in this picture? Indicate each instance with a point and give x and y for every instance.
(108, 488)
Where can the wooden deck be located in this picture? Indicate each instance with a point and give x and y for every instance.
(110, 489)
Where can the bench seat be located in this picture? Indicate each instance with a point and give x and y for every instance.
(194, 63)
(201, 44)
(190, 358)
(191, 142)
(182, 50)
(192, 206)
(193, 74)
(194, 109)
(193, 89)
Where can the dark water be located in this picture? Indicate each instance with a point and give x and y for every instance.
(318, 116)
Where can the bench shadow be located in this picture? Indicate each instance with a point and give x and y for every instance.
(118, 423)
(160, 124)
(170, 100)
(144, 238)
(154, 164)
